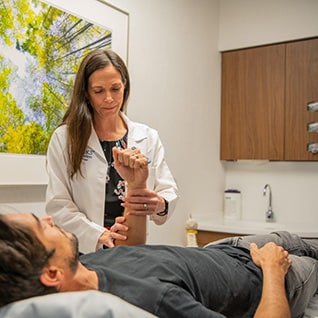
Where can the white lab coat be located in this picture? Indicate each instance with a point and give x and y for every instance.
(77, 204)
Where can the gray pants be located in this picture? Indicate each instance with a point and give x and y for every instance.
(302, 276)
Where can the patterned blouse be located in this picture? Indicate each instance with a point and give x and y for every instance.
(115, 186)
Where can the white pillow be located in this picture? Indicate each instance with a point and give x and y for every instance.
(82, 304)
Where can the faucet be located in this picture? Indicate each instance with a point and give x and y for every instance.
(269, 216)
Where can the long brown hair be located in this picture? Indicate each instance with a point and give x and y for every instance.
(78, 116)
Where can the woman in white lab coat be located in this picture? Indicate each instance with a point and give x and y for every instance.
(85, 194)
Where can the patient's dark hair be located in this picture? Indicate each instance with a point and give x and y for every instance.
(22, 258)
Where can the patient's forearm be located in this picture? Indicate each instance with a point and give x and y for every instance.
(137, 228)
(274, 301)
(136, 233)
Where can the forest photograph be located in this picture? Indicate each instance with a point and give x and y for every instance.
(40, 51)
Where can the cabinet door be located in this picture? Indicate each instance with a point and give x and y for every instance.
(252, 114)
(301, 88)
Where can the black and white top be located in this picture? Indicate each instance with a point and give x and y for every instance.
(115, 186)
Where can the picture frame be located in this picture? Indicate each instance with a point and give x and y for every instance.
(104, 14)
(30, 169)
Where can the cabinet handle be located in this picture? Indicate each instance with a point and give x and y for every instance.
(312, 127)
(312, 106)
(313, 148)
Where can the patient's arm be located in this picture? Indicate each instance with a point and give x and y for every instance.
(133, 168)
(274, 263)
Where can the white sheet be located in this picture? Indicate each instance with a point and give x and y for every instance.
(82, 304)
(90, 304)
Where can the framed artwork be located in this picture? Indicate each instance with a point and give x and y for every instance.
(41, 45)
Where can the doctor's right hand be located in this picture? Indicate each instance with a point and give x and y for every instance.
(109, 236)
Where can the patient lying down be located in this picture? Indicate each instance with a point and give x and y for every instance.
(272, 275)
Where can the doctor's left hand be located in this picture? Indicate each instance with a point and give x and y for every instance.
(109, 236)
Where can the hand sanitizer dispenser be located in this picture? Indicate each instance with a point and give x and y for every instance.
(191, 230)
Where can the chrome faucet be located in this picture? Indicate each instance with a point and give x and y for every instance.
(269, 216)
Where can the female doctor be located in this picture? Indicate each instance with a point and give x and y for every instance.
(85, 194)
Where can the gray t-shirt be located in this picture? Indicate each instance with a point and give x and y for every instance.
(171, 281)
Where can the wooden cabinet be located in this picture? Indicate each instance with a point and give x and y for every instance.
(253, 103)
(301, 88)
(265, 92)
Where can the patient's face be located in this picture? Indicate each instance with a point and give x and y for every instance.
(51, 236)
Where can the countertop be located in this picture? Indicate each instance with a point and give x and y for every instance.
(208, 223)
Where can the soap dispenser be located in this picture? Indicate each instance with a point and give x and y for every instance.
(232, 204)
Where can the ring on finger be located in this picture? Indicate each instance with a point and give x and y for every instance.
(145, 206)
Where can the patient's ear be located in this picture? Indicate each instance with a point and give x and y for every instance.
(51, 276)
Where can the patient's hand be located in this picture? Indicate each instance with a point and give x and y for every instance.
(132, 166)
(274, 263)
(270, 256)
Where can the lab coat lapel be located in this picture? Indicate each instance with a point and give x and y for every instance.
(94, 144)
(135, 133)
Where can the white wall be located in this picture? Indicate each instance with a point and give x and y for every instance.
(247, 23)
(175, 70)
(294, 190)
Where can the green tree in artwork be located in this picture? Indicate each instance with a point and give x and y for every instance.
(27, 138)
(40, 50)
(10, 114)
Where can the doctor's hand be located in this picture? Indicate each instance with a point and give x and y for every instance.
(143, 202)
(109, 236)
